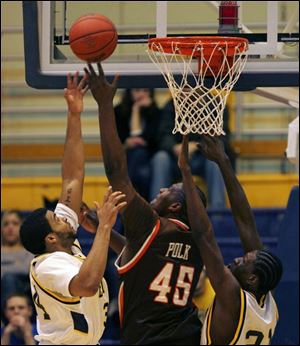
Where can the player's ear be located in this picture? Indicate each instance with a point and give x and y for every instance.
(175, 207)
(252, 280)
(51, 238)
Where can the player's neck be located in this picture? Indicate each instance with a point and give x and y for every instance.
(61, 248)
(177, 217)
(258, 296)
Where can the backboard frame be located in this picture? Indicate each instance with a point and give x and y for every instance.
(41, 73)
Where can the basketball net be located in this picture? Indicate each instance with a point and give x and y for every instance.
(198, 107)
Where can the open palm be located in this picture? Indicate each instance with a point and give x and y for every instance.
(74, 93)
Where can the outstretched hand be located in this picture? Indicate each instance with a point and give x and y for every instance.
(103, 92)
(74, 92)
(112, 204)
(183, 158)
(211, 147)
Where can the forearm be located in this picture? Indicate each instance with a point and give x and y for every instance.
(197, 215)
(92, 269)
(117, 242)
(202, 231)
(73, 158)
(242, 213)
(113, 152)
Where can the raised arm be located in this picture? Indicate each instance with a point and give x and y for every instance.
(212, 149)
(222, 281)
(114, 156)
(138, 216)
(86, 282)
(73, 157)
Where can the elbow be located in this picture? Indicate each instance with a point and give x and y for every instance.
(92, 285)
(87, 289)
(90, 290)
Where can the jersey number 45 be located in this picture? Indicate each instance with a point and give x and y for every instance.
(161, 284)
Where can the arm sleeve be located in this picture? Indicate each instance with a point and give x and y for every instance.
(56, 272)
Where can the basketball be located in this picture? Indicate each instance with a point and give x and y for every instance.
(93, 37)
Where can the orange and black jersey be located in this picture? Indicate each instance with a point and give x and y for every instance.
(159, 274)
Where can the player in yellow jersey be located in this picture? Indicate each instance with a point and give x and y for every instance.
(244, 311)
(69, 291)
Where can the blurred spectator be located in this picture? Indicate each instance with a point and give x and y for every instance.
(138, 119)
(200, 166)
(15, 260)
(19, 329)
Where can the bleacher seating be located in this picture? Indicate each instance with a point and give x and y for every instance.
(287, 292)
(267, 220)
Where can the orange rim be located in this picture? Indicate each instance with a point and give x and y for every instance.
(186, 45)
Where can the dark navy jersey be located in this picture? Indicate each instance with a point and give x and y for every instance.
(159, 276)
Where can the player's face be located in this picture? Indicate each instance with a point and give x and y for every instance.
(242, 267)
(166, 197)
(11, 229)
(58, 224)
(17, 306)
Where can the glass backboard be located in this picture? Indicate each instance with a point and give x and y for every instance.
(273, 59)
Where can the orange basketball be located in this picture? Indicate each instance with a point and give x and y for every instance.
(93, 37)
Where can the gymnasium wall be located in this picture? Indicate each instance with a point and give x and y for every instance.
(35, 118)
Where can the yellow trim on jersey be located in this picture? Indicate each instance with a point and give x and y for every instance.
(276, 308)
(262, 300)
(208, 338)
(77, 244)
(241, 319)
(78, 331)
(80, 257)
(240, 323)
(61, 298)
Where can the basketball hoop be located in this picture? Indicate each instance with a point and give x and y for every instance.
(199, 108)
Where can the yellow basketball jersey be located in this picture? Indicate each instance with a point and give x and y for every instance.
(256, 325)
(61, 318)
(204, 300)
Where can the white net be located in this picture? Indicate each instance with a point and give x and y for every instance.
(199, 105)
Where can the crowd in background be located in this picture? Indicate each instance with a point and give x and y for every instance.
(152, 149)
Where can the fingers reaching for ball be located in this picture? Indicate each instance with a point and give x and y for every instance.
(113, 202)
